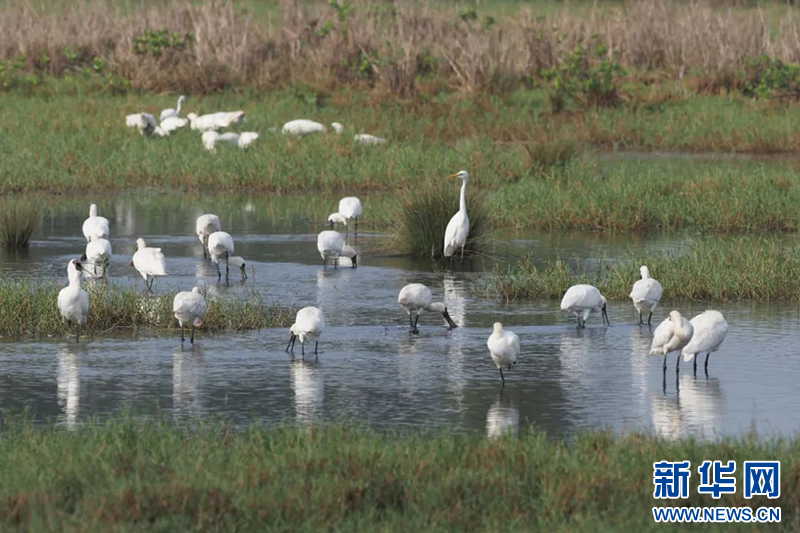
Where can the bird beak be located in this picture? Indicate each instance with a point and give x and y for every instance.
(355, 261)
(331, 222)
(83, 257)
(605, 316)
(291, 338)
(451, 176)
(78, 266)
(446, 316)
(131, 262)
(244, 271)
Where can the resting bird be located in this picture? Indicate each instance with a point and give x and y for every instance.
(455, 236)
(150, 262)
(95, 227)
(96, 258)
(172, 113)
(73, 302)
(242, 140)
(416, 297)
(189, 308)
(646, 294)
(302, 127)
(366, 138)
(205, 226)
(710, 329)
(581, 300)
(171, 124)
(308, 325)
(503, 347)
(671, 335)
(215, 121)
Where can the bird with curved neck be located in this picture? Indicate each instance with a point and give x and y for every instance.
(416, 297)
(455, 236)
(672, 334)
(73, 302)
(169, 112)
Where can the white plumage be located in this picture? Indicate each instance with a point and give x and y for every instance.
(301, 127)
(455, 236)
(646, 294)
(170, 124)
(147, 124)
(132, 121)
(581, 300)
(308, 326)
(349, 209)
(337, 127)
(329, 245)
(189, 307)
(95, 227)
(96, 258)
(671, 335)
(215, 121)
(416, 297)
(366, 138)
(503, 347)
(205, 226)
(242, 140)
(710, 329)
(73, 302)
(150, 262)
(220, 244)
(172, 113)
(348, 257)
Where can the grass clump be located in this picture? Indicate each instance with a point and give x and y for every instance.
(208, 476)
(749, 268)
(19, 218)
(30, 309)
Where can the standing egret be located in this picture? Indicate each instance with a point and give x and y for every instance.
(308, 325)
(415, 297)
(455, 236)
(73, 302)
(98, 255)
(189, 308)
(349, 209)
(172, 113)
(149, 262)
(503, 347)
(220, 244)
(95, 227)
(205, 226)
(710, 329)
(646, 294)
(581, 300)
(330, 244)
(673, 334)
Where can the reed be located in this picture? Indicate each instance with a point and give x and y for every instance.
(19, 218)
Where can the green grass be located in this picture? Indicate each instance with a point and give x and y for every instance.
(127, 475)
(19, 218)
(30, 309)
(712, 269)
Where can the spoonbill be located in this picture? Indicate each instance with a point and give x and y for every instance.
(170, 124)
(220, 244)
(349, 253)
(189, 307)
(671, 335)
(147, 124)
(242, 140)
(337, 127)
(330, 244)
(95, 227)
(646, 294)
(98, 255)
(366, 138)
(73, 302)
(302, 127)
(214, 121)
(503, 347)
(581, 300)
(415, 297)
(172, 113)
(710, 329)
(205, 226)
(308, 325)
(149, 262)
(455, 236)
(349, 209)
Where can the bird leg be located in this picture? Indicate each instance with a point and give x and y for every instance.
(415, 329)
(316, 345)
(291, 343)
(219, 273)
(649, 318)
(665, 364)
(695, 364)
(150, 284)
(182, 337)
(678, 364)
(356, 229)
(205, 246)
(336, 263)
(303, 348)
(192, 337)
(227, 266)
(641, 322)
(705, 366)
(502, 377)
(78, 333)
(462, 254)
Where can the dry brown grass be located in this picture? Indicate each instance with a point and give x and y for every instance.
(398, 47)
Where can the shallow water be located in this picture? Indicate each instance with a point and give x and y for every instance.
(369, 367)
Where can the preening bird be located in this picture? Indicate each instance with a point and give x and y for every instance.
(455, 236)
(366, 138)
(349, 209)
(189, 307)
(308, 325)
(95, 227)
(302, 127)
(348, 255)
(581, 300)
(646, 294)
(215, 121)
(73, 302)
(171, 124)
(673, 334)
(329, 245)
(147, 124)
(416, 297)
(172, 113)
(710, 329)
(96, 258)
(205, 226)
(503, 347)
(149, 262)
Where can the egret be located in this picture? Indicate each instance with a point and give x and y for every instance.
(455, 236)
(710, 329)
(366, 138)
(205, 226)
(330, 244)
(308, 325)
(503, 347)
(189, 308)
(172, 113)
(349, 209)
(73, 302)
(646, 294)
(581, 300)
(171, 124)
(220, 244)
(98, 255)
(149, 262)
(415, 297)
(671, 335)
(215, 121)
(95, 227)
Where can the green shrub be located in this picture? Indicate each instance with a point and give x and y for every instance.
(19, 218)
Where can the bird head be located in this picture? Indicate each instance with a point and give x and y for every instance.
(644, 272)
(462, 175)
(675, 316)
(498, 328)
(140, 243)
(604, 310)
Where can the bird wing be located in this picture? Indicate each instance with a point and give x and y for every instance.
(576, 296)
(710, 330)
(661, 337)
(453, 234)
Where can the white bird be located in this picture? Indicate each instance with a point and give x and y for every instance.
(95, 227)
(302, 127)
(242, 140)
(366, 138)
(149, 262)
(337, 127)
(308, 325)
(646, 294)
(73, 302)
(189, 308)
(132, 121)
(455, 236)
(172, 113)
(246, 138)
(416, 297)
(503, 347)
(349, 209)
(220, 244)
(171, 124)
(710, 329)
(147, 124)
(209, 140)
(329, 245)
(350, 255)
(205, 226)
(98, 256)
(215, 121)
(581, 300)
(673, 334)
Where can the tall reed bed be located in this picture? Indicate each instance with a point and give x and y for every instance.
(19, 218)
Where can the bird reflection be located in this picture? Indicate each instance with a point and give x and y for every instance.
(69, 383)
(187, 376)
(641, 338)
(695, 408)
(411, 372)
(455, 293)
(309, 391)
(502, 417)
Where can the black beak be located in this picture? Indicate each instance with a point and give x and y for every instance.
(244, 271)
(446, 316)
(291, 338)
(605, 316)
(83, 257)
(355, 261)
(78, 266)
(331, 222)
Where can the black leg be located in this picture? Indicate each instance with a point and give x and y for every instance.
(416, 321)
(694, 366)
(192, 338)
(649, 318)
(290, 343)
(182, 337)
(502, 377)
(316, 345)
(705, 366)
(641, 322)
(227, 266)
(665, 363)
(78, 333)
(302, 348)
(356, 229)
(678, 364)
(219, 273)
